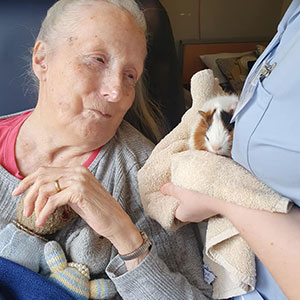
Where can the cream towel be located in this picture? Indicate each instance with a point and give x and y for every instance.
(226, 253)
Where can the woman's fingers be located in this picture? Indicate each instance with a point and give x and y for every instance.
(23, 185)
(50, 206)
(39, 177)
(40, 185)
(175, 191)
(193, 206)
(30, 198)
(38, 194)
(27, 182)
(28, 203)
(169, 189)
(44, 192)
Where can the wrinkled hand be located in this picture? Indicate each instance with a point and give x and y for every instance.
(193, 206)
(80, 190)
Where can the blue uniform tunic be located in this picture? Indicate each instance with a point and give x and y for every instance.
(267, 130)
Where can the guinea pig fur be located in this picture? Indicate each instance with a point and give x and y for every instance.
(213, 131)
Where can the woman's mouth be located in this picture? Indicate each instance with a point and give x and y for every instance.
(107, 116)
(102, 114)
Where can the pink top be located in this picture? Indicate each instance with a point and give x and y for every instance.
(9, 129)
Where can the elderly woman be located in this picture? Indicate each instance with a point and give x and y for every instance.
(74, 149)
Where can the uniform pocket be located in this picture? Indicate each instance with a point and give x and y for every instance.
(260, 106)
(246, 123)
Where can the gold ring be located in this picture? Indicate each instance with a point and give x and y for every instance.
(57, 186)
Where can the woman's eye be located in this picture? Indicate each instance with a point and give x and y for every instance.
(100, 59)
(130, 77)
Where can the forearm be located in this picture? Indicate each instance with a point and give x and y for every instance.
(275, 239)
(152, 279)
(128, 240)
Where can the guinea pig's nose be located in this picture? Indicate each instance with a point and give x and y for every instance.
(216, 148)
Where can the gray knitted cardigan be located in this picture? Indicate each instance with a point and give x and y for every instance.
(172, 269)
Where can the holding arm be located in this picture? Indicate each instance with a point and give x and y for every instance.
(274, 237)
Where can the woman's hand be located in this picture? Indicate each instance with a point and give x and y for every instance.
(81, 191)
(78, 188)
(193, 206)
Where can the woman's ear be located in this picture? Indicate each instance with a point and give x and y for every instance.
(39, 60)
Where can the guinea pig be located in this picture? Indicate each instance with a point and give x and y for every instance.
(213, 131)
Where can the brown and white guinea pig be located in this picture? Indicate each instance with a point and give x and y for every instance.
(213, 131)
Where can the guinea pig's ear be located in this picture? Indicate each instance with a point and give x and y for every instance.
(202, 113)
(204, 116)
(209, 116)
(226, 118)
(39, 60)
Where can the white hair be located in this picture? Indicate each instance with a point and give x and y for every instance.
(62, 17)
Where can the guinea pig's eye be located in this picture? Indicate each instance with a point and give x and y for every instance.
(207, 137)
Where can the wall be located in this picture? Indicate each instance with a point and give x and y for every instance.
(224, 19)
(184, 17)
(239, 18)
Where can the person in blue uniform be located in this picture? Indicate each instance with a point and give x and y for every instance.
(267, 143)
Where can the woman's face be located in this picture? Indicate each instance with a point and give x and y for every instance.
(90, 78)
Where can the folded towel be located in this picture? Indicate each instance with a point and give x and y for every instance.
(227, 255)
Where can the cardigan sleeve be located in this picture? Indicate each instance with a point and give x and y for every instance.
(173, 268)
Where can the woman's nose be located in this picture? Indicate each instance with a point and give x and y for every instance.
(111, 87)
